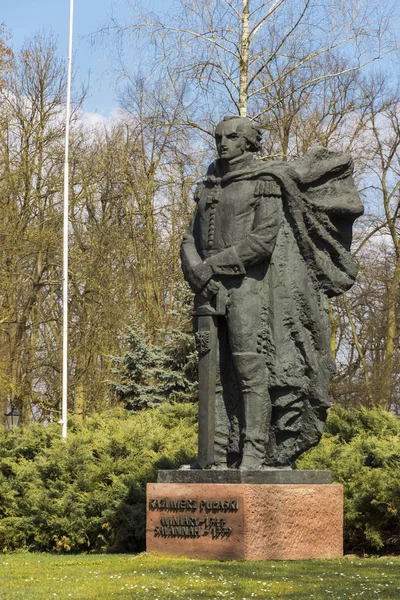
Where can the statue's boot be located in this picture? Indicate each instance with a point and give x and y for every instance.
(252, 374)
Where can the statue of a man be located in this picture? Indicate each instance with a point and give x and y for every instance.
(269, 243)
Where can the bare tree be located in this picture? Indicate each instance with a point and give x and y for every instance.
(30, 147)
(6, 55)
(31, 166)
(233, 52)
(367, 318)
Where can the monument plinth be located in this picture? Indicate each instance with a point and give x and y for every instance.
(226, 521)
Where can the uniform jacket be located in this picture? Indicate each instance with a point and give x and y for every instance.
(235, 224)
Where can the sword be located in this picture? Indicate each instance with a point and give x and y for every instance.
(207, 346)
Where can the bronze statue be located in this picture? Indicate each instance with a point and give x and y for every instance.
(268, 245)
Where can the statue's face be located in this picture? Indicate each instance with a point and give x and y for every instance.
(230, 140)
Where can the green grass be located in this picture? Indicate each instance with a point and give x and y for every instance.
(101, 577)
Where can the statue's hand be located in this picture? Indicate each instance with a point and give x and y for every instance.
(201, 276)
(210, 290)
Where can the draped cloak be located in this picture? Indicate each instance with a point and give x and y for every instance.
(310, 262)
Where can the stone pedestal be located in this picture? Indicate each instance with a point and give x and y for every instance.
(250, 521)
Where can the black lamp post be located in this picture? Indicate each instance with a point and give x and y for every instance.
(13, 418)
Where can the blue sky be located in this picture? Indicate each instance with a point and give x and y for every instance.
(25, 17)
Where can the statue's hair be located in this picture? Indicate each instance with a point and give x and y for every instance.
(252, 134)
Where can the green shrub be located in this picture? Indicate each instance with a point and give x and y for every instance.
(362, 449)
(147, 375)
(88, 492)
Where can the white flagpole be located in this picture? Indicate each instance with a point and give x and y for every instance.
(65, 234)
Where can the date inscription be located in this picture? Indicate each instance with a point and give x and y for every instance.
(207, 522)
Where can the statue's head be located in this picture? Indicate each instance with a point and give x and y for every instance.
(234, 136)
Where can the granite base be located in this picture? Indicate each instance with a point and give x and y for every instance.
(226, 521)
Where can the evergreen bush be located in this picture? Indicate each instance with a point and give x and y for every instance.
(88, 493)
(362, 449)
(147, 375)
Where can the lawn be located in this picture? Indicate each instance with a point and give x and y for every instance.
(100, 577)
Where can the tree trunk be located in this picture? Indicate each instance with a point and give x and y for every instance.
(244, 59)
(385, 398)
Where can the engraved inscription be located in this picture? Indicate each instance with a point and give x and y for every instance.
(219, 505)
(195, 527)
(189, 504)
(169, 504)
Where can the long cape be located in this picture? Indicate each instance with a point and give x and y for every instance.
(321, 201)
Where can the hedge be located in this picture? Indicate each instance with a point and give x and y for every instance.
(362, 449)
(87, 493)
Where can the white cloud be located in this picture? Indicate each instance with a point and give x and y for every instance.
(95, 120)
